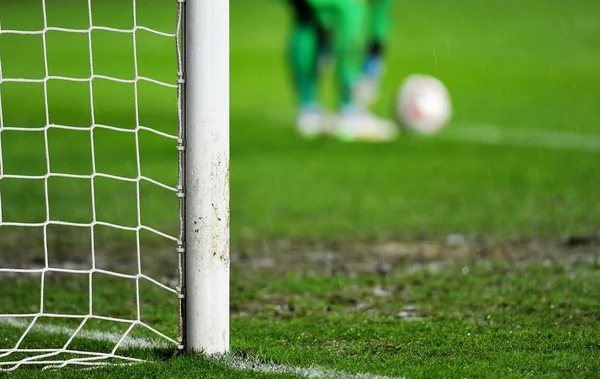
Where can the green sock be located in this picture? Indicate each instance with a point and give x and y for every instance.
(303, 59)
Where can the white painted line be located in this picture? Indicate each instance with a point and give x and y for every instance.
(303, 372)
(524, 137)
(235, 363)
(129, 342)
(478, 133)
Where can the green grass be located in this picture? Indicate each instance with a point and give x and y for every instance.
(509, 303)
(498, 320)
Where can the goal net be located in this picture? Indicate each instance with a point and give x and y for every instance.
(113, 180)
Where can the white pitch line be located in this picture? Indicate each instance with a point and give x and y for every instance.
(485, 134)
(235, 363)
(96, 335)
(303, 372)
(524, 137)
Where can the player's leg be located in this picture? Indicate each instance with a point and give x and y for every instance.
(379, 27)
(303, 50)
(324, 50)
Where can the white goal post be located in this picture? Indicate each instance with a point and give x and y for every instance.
(206, 75)
(201, 42)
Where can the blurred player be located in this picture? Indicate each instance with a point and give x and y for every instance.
(342, 25)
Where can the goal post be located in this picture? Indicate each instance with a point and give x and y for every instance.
(56, 159)
(206, 121)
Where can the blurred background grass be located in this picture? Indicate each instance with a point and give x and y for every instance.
(518, 66)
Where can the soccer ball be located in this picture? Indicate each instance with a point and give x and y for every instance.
(423, 104)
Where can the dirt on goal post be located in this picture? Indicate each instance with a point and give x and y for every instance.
(114, 181)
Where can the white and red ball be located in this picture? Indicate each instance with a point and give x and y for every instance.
(423, 104)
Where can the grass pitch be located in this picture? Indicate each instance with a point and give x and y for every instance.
(471, 254)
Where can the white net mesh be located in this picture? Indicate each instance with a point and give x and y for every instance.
(74, 245)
